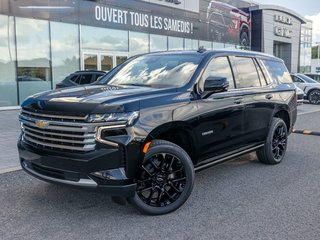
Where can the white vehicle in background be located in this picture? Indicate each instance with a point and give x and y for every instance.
(310, 87)
(300, 95)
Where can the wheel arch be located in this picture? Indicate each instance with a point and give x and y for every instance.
(285, 116)
(179, 133)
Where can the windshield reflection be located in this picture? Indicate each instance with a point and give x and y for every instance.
(157, 70)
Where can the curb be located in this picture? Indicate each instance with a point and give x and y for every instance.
(306, 132)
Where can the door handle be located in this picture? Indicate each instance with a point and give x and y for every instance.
(269, 96)
(238, 101)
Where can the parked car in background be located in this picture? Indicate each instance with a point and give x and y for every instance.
(310, 87)
(80, 78)
(314, 76)
(300, 95)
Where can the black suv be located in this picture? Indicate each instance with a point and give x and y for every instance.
(80, 78)
(143, 130)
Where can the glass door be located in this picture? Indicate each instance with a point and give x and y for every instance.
(103, 61)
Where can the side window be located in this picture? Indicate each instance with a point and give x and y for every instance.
(247, 75)
(74, 78)
(263, 81)
(296, 79)
(85, 79)
(219, 67)
(277, 71)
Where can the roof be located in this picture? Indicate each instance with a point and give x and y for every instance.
(220, 51)
(278, 8)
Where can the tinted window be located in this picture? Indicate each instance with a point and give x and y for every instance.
(247, 75)
(74, 78)
(278, 71)
(219, 67)
(85, 79)
(260, 74)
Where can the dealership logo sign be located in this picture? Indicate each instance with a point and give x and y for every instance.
(282, 32)
(283, 19)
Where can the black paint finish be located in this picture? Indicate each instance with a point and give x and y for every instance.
(213, 126)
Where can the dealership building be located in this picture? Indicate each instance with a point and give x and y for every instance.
(41, 42)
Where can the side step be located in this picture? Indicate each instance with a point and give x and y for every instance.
(219, 159)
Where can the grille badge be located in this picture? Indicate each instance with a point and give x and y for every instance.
(42, 124)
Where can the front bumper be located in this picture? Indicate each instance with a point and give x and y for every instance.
(79, 172)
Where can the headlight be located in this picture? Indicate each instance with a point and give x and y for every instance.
(128, 118)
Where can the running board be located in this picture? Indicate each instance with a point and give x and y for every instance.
(216, 160)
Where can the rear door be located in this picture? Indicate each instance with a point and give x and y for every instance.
(258, 97)
(220, 125)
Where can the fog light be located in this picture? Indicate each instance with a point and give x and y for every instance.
(112, 174)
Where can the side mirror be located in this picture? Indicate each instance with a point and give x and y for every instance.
(216, 84)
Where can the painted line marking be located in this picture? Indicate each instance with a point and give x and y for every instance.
(308, 112)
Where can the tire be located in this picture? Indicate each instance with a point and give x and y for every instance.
(314, 96)
(244, 39)
(275, 146)
(165, 181)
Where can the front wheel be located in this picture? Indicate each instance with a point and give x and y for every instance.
(165, 181)
(314, 96)
(276, 143)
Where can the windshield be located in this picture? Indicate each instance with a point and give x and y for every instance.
(307, 79)
(156, 70)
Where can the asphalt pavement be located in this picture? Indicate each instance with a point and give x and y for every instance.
(241, 199)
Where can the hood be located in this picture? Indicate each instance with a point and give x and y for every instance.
(93, 98)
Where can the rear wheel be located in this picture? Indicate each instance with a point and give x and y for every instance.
(244, 39)
(166, 179)
(276, 144)
(314, 96)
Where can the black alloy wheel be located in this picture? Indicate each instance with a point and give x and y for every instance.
(314, 97)
(275, 146)
(165, 180)
(279, 142)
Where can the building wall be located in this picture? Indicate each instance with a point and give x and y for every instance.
(305, 47)
(291, 46)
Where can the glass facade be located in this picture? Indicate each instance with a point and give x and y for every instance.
(38, 54)
(305, 47)
(8, 86)
(65, 50)
(33, 56)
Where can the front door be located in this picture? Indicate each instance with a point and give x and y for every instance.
(221, 115)
(100, 60)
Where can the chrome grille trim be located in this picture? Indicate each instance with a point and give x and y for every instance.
(59, 132)
(24, 112)
(85, 141)
(46, 144)
(43, 132)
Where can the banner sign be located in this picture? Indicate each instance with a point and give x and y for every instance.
(209, 20)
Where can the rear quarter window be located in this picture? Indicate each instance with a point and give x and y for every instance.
(277, 71)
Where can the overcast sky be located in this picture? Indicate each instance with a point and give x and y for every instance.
(307, 8)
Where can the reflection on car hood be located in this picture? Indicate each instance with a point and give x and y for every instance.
(90, 97)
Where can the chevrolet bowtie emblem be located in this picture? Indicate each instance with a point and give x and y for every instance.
(42, 124)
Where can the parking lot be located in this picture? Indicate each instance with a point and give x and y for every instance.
(240, 199)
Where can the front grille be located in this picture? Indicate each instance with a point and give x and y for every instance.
(58, 132)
